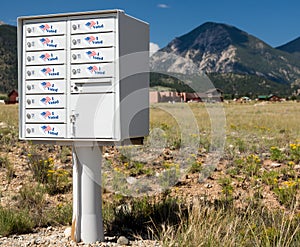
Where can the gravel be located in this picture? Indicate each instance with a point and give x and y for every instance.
(55, 237)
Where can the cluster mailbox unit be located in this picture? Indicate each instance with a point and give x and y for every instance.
(83, 76)
(84, 81)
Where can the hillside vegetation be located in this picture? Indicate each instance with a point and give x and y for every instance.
(8, 58)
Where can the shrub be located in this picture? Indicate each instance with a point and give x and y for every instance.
(12, 221)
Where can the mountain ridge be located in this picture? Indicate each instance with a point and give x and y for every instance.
(225, 49)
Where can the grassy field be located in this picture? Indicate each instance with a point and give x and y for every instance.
(249, 198)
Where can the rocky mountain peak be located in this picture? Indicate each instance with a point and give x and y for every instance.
(221, 48)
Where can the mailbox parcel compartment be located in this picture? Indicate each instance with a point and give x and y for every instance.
(94, 115)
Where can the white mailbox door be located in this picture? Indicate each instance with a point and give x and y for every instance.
(45, 57)
(45, 72)
(92, 55)
(45, 28)
(45, 87)
(45, 43)
(93, 25)
(45, 101)
(93, 40)
(45, 130)
(45, 116)
(94, 115)
(92, 70)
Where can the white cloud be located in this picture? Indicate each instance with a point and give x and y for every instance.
(153, 48)
(163, 6)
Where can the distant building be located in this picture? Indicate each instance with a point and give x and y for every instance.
(270, 97)
(213, 95)
(166, 96)
(13, 97)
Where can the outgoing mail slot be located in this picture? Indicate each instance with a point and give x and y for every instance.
(45, 28)
(45, 57)
(45, 86)
(45, 101)
(45, 72)
(92, 40)
(98, 85)
(45, 130)
(45, 43)
(93, 25)
(45, 115)
(92, 70)
(93, 55)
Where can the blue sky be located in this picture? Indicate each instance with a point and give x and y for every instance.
(275, 22)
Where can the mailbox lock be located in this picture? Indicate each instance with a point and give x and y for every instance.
(28, 73)
(74, 41)
(28, 116)
(28, 101)
(74, 27)
(74, 71)
(28, 87)
(29, 44)
(28, 130)
(29, 30)
(28, 59)
(74, 56)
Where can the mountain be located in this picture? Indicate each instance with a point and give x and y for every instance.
(291, 47)
(8, 58)
(220, 49)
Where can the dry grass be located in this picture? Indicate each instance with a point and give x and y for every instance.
(251, 130)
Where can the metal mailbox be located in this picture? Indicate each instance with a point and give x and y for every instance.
(80, 77)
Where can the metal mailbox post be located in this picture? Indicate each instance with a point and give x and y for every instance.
(83, 81)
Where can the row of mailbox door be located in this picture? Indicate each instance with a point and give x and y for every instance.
(91, 25)
(77, 71)
(76, 41)
(76, 56)
(44, 87)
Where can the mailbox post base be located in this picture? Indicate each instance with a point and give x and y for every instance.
(87, 223)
